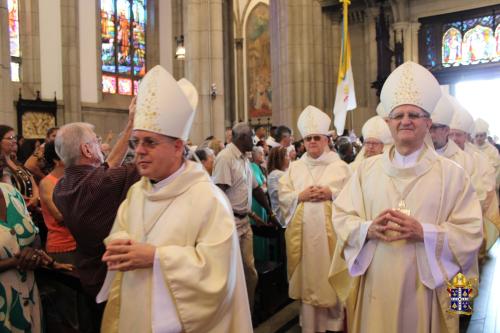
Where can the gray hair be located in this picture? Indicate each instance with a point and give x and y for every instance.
(69, 139)
(241, 129)
(257, 150)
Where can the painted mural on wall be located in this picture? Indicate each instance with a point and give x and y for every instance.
(258, 58)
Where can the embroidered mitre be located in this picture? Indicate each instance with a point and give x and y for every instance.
(443, 112)
(164, 105)
(481, 126)
(377, 128)
(462, 120)
(313, 121)
(411, 84)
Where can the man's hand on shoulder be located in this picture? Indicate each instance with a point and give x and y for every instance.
(127, 255)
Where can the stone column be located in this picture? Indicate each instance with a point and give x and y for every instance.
(297, 58)
(204, 65)
(70, 61)
(408, 33)
(177, 31)
(7, 111)
(30, 48)
(240, 107)
(369, 52)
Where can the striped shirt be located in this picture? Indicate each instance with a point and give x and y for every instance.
(88, 198)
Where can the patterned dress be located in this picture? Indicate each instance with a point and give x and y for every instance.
(19, 299)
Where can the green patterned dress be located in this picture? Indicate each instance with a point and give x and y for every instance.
(19, 299)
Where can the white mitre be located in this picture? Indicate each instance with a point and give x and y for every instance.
(461, 120)
(313, 121)
(411, 84)
(377, 128)
(443, 112)
(164, 105)
(481, 126)
(381, 111)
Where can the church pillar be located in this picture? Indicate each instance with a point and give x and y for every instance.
(7, 111)
(240, 107)
(70, 61)
(369, 51)
(407, 32)
(204, 65)
(297, 59)
(30, 47)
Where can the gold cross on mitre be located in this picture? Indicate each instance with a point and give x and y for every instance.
(402, 208)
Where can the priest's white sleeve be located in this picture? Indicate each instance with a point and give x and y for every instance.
(288, 197)
(435, 260)
(358, 252)
(163, 312)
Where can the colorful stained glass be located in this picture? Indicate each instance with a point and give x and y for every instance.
(108, 36)
(431, 49)
(497, 39)
(123, 34)
(452, 48)
(13, 8)
(136, 87)
(478, 45)
(124, 86)
(139, 40)
(109, 84)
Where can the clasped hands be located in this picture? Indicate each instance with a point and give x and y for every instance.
(29, 259)
(127, 255)
(392, 225)
(315, 194)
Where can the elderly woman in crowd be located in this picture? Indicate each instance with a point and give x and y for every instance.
(277, 164)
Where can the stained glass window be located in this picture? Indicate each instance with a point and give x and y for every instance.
(123, 45)
(497, 39)
(479, 45)
(15, 49)
(109, 84)
(452, 47)
(470, 41)
(466, 38)
(124, 86)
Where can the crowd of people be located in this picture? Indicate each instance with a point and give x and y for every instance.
(159, 231)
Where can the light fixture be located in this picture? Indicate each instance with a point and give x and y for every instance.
(180, 52)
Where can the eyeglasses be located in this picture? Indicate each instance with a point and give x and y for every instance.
(312, 137)
(436, 126)
(411, 116)
(372, 143)
(147, 142)
(10, 138)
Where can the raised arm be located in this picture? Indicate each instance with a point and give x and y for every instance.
(119, 151)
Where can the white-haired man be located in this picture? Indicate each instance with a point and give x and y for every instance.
(89, 194)
(172, 254)
(306, 191)
(406, 222)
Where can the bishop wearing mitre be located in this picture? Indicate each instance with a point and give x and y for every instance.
(174, 263)
(407, 222)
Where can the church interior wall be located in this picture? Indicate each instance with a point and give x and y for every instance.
(89, 51)
(50, 49)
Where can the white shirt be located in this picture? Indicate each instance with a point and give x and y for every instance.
(406, 161)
